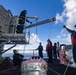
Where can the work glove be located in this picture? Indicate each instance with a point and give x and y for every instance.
(64, 26)
(30, 22)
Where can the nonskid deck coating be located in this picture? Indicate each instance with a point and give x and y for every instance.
(54, 68)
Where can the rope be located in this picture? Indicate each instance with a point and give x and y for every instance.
(54, 71)
(68, 62)
(28, 36)
(65, 70)
(24, 50)
(66, 67)
(50, 31)
(36, 30)
(29, 31)
(34, 21)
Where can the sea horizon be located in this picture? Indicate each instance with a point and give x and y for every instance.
(27, 54)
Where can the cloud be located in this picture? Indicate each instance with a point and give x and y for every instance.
(34, 38)
(63, 38)
(59, 18)
(67, 17)
(34, 42)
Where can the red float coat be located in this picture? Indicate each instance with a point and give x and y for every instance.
(49, 47)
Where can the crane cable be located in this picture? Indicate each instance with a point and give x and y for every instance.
(29, 30)
(36, 31)
(29, 37)
(68, 62)
(24, 50)
(50, 31)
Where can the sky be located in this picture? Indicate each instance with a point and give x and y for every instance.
(63, 10)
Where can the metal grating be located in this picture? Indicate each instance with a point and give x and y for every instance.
(13, 38)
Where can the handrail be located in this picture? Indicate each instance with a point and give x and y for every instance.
(8, 49)
(3, 44)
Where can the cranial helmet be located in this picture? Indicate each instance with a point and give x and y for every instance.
(25, 11)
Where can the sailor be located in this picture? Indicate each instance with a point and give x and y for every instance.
(17, 58)
(21, 21)
(54, 51)
(58, 48)
(49, 49)
(73, 40)
(40, 49)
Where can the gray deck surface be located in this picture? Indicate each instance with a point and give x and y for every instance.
(54, 68)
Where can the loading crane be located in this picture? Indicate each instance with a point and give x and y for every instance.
(8, 31)
(35, 17)
(40, 23)
(19, 38)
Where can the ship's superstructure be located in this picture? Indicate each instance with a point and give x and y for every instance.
(8, 28)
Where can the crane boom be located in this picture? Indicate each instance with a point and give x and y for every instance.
(40, 23)
(36, 17)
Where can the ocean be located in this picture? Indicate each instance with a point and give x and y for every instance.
(27, 54)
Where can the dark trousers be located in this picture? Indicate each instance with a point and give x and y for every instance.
(20, 29)
(49, 53)
(58, 53)
(55, 56)
(74, 53)
(41, 53)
